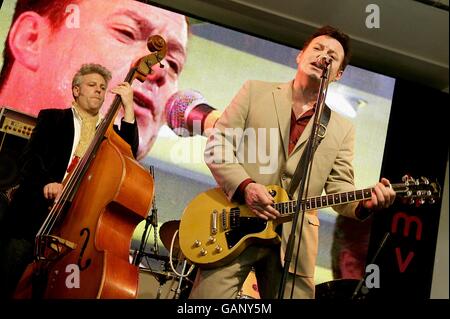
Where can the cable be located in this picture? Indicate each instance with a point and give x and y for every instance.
(171, 261)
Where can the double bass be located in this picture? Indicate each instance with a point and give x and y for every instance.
(82, 248)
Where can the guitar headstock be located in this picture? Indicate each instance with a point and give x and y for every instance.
(418, 191)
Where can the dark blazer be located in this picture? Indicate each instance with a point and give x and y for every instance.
(45, 160)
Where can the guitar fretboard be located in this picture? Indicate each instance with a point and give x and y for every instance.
(324, 201)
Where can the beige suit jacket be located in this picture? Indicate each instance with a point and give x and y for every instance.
(262, 111)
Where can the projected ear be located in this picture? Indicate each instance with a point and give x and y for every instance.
(25, 39)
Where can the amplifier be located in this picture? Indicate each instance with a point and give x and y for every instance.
(16, 123)
(15, 130)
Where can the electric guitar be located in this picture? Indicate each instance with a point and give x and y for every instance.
(214, 231)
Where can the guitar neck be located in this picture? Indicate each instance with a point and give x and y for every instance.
(312, 203)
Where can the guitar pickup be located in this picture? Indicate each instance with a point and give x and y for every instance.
(224, 219)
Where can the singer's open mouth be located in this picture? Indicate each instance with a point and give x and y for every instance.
(144, 102)
(316, 65)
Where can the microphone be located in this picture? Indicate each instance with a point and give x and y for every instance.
(188, 113)
(323, 62)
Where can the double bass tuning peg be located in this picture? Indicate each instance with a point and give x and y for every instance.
(150, 64)
(160, 64)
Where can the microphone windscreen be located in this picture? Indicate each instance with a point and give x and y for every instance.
(179, 105)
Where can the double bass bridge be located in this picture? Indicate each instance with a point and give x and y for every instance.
(51, 247)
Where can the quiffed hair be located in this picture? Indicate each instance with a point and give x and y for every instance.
(334, 33)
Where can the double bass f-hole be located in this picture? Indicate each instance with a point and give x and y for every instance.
(88, 262)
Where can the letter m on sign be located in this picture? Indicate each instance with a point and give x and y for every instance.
(408, 220)
(403, 264)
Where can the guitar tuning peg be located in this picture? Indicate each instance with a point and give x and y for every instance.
(425, 180)
(407, 178)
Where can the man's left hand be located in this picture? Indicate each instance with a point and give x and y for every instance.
(382, 196)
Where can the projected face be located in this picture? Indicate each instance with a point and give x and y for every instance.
(113, 33)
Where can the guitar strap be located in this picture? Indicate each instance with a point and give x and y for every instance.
(324, 119)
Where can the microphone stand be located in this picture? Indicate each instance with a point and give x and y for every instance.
(305, 173)
(152, 219)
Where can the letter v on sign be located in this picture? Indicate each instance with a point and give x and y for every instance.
(403, 264)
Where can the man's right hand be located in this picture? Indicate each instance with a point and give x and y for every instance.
(53, 190)
(260, 201)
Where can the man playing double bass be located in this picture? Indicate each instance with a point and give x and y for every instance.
(60, 138)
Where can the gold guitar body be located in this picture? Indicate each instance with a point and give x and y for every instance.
(214, 231)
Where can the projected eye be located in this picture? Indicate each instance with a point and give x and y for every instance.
(174, 66)
(124, 34)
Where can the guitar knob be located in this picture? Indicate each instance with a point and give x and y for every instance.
(212, 239)
(197, 243)
(218, 249)
(203, 252)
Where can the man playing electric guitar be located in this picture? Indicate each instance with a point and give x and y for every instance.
(283, 111)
